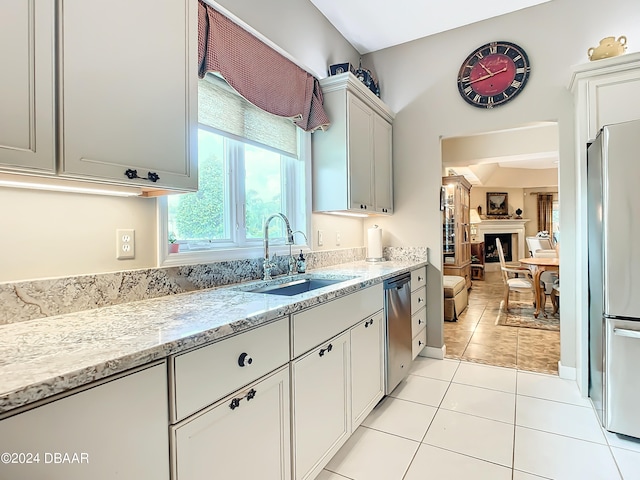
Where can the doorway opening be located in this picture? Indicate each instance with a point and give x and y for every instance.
(521, 165)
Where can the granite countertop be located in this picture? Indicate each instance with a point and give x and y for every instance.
(43, 357)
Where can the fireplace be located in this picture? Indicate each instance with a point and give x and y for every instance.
(512, 227)
(491, 251)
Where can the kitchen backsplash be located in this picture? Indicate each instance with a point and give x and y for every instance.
(44, 298)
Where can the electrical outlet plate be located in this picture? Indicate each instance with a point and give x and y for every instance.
(338, 238)
(320, 238)
(125, 243)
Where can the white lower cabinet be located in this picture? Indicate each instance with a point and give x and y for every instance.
(418, 311)
(320, 396)
(367, 368)
(246, 435)
(115, 429)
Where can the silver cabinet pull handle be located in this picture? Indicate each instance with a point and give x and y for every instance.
(623, 332)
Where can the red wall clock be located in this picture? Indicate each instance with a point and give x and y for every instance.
(493, 74)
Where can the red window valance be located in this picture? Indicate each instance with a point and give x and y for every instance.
(257, 72)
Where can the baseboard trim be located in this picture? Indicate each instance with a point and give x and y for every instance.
(434, 352)
(568, 373)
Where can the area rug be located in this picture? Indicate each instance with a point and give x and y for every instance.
(520, 314)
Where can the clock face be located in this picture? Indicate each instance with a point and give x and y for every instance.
(493, 74)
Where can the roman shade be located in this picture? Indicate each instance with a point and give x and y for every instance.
(224, 110)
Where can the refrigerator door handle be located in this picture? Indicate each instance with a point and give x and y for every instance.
(623, 332)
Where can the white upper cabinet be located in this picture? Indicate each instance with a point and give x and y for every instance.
(352, 160)
(128, 91)
(606, 92)
(27, 127)
(100, 92)
(382, 167)
(359, 154)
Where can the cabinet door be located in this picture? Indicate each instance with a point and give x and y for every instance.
(367, 367)
(128, 90)
(117, 429)
(613, 98)
(382, 160)
(245, 436)
(360, 133)
(27, 42)
(320, 405)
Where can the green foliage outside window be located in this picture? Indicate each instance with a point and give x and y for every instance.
(207, 203)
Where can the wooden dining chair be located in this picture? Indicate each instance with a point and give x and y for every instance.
(520, 283)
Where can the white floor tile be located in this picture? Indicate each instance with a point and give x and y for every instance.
(518, 475)
(373, 455)
(561, 418)
(327, 475)
(434, 368)
(622, 441)
(401, 417)
(550, 387)
(427, 391)
(433, 462)
(560, 457)
(486, 376)
(628, 462)
(482, 402)
(474, 436)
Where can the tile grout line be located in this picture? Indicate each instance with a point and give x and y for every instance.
(430, 423)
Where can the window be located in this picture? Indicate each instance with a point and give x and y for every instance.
(251, 165)
(555, 221)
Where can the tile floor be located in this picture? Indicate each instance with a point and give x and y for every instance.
(457, 420)
(475, 337)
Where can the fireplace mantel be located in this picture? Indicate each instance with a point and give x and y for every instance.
(504, 226)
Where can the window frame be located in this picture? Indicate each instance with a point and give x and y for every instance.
(253, 249)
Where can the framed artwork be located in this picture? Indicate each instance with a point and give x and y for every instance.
(497, 204)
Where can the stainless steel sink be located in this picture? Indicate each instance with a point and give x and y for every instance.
(296, 286)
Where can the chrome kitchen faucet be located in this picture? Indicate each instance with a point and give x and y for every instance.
(268, 264)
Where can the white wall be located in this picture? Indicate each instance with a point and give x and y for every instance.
(49, 234)
(46, 234)
(418, 81)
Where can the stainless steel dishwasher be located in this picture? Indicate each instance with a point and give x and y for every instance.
(397, 307)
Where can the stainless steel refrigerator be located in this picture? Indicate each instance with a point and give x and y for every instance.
(613, 184)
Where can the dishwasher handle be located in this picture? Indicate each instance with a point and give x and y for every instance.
(397, 282)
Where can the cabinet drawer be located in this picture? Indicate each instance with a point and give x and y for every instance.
(418, 343)
(418, 278)
(204, 375)
(313, 326)
(418, 299)
(418, 321)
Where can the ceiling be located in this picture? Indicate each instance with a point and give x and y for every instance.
(371, 25)
(486, 157)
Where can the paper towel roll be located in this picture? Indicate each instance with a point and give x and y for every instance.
(374, 243)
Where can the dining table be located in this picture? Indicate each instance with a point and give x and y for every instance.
(537, 265)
